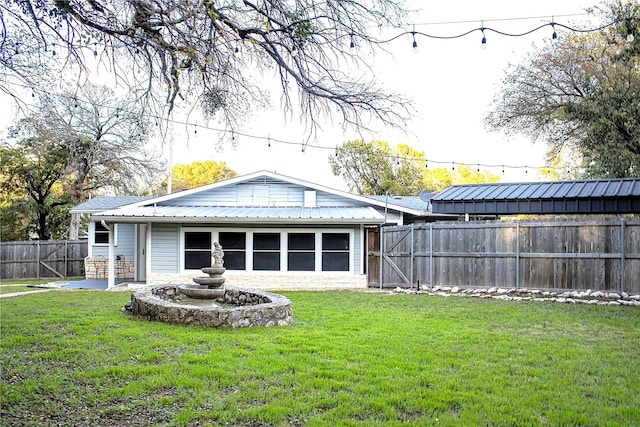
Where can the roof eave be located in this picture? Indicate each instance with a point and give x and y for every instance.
(227, 220)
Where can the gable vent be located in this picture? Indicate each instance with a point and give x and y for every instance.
(310, 199)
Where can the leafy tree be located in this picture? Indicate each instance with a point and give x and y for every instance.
(35, 168)
(439, 179)
(209, 53)
(374, 168)
(581, 92)
(197, 174)
(561, 167)
(14, 214)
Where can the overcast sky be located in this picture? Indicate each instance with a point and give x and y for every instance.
(451, 82)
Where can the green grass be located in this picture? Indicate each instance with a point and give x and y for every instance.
(349, 358)
(9, 289)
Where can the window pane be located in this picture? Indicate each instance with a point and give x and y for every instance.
(266, 241)
(101, 234)
(335, 241)
(197, 240)
(232, 240)
(195, 260)
(266, 261)
(335, 261)
(235, 260)
(302, 241)
(101, 237)
(302, 261)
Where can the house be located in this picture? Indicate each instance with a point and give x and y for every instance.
(271, 227)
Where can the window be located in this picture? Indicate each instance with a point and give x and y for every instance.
(266, 251)
(101, 234)
(335, 251)
(301, 254)
(197, 250)
(234, 245)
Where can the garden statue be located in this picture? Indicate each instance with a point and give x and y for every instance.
(217, 254)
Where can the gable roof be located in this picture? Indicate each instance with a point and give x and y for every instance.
(103, 203)
(596, 196)
(222, 214)
(102, 206)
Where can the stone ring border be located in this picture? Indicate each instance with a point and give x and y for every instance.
(251, 308)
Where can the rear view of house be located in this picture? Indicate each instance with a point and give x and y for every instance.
(271, 227)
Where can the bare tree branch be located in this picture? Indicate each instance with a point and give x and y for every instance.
(204, 52)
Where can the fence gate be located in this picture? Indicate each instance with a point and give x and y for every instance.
(395, 267)
(50, 256)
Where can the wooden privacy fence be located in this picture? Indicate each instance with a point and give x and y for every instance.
(597, 255)
(40, 259)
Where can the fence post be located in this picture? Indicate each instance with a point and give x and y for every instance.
(430, 255)
(381, 240)
(517, 254)
(66, 257)
(411, 254)
(622, 254)
(38, 260)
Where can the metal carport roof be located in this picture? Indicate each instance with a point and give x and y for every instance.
(600, 196)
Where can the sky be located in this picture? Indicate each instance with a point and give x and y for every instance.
(451, 83)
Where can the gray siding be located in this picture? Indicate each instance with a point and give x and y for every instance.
(357, 251)
(126, 247)
(328, 199)
(260, 194)
(126, 241)
(165, 248)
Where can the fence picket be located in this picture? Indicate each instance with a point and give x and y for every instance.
(42, 259)
(573, 254)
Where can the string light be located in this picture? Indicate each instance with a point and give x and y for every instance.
(352, 44)
(413, 34)
(553, 24)
(394, 157)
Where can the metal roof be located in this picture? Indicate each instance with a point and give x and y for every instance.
(322, 215)
(561, 197)
(411, 202)
(102, 203)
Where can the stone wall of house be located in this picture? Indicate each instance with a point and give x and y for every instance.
(256, 280)
(98, 268)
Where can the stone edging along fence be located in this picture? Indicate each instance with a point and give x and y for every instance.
(569, 297)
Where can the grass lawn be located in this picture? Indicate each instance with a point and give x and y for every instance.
(9, 289)
(11, 286)
(349, 358)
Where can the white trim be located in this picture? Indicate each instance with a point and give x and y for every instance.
(92, 235)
